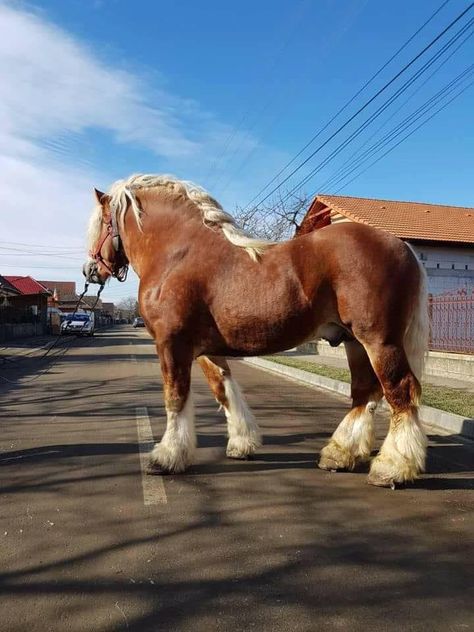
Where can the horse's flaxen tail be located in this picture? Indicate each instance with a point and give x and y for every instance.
(417, 333)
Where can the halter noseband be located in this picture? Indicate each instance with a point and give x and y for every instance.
(112, 231)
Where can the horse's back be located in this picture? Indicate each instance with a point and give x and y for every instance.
(362, 239)
(348, 249)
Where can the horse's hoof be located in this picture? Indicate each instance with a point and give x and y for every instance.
(333, 457)
(330, 465)
(386, 471)
(154, 470)
(379, 481)
(238, 456)
(382, 473)
(242, 448)
(168, 459)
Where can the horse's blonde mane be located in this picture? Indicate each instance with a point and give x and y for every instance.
(123, 195)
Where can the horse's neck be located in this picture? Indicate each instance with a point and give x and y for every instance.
(167, 232)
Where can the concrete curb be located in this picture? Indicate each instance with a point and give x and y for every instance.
(449, 422)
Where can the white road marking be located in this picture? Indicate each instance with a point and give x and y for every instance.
(153, 486)
(132, 355)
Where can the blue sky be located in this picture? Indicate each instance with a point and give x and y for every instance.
(221, 93)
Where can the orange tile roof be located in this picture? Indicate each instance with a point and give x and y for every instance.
(408, 220)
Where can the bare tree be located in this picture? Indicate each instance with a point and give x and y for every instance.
(128, 307)
(276, 220)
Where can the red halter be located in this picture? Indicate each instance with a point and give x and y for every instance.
(96, 254)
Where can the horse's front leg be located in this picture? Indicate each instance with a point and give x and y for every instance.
(244, 435)
(176, 448)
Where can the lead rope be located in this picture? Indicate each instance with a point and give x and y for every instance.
(57, 339)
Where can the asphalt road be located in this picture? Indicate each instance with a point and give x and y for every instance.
(89, 544)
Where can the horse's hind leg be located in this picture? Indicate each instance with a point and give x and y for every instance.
(353, 439)
(402, 455)
(244, 435)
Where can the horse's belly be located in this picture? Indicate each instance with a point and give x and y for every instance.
(266, 313)
(275, 330)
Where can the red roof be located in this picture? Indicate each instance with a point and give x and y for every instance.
(5, 286)
(26, 285)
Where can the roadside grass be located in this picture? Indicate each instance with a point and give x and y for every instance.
(449, 399)
(333, 372)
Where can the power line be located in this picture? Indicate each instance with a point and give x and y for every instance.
(377, 112)
(349, 161)
(40, 267)
(288, 84)
(353, 157)
(437, 69)
(367, 103)
(408, 122)
(17, 243)
(348, 103)
(402, 127)
(14, 252)
(407, 136)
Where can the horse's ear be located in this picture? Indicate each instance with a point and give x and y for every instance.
(101, 198)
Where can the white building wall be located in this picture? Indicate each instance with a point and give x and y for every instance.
(449, 268)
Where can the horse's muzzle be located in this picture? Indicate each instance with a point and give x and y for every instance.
(91, 272)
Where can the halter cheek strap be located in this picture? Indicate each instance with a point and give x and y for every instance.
(116, 241)
(113, 233)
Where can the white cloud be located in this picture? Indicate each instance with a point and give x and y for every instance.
(54, 90)
(52, 84)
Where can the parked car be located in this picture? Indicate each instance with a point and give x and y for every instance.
(81, 324)
(138, 322)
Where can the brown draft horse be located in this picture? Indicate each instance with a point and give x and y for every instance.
(208, 290)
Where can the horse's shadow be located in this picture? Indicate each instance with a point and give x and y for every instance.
(446, 456)
(446, 484)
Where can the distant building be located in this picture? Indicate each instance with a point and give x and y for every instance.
(31, 295)
(64, 296)
(23, 307)
(442, 236)
(7, 290)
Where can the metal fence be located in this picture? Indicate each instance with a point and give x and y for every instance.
(452, 322)
(18, 322)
